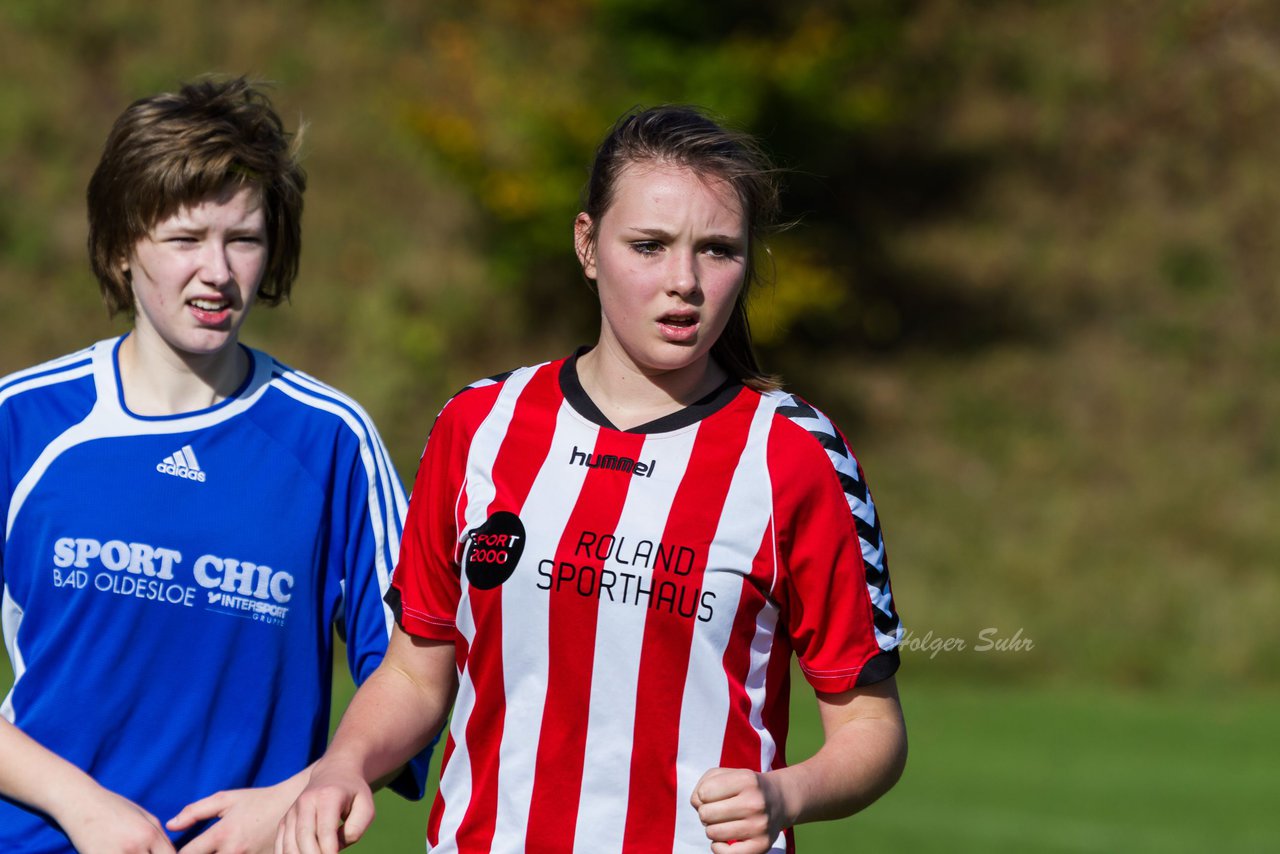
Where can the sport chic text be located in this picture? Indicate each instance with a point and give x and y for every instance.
(150, 572)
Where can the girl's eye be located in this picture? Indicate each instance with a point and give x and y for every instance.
(646, 247)
(720, 250)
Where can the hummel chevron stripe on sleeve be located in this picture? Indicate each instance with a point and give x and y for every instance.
(888, 626)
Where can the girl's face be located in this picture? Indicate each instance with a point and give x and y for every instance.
(195, 274)
(668, 259)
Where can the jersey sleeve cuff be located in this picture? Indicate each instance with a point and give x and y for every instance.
(419, 623)
(876, 669)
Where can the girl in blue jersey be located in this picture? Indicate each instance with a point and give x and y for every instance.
(185, 517)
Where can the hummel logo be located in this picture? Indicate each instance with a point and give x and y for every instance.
(182, 463)
(609, 461)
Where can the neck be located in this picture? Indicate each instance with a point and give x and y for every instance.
(160, 381)
(629, 396)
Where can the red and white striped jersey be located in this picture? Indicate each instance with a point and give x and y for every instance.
(625, 604)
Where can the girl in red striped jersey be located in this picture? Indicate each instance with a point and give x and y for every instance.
(610, 560)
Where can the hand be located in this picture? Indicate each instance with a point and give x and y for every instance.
(106, 823)
(247, 818)
(741, 810)
(334, 811)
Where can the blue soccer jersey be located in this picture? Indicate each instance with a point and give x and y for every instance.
(170, 583)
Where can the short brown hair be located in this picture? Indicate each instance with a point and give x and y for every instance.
(174, 149)
(687, 136)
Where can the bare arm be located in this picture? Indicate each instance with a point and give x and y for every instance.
(862, 756)
(396, 712)
(94, 819)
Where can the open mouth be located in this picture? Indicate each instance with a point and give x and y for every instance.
(680, 321)
(210, 311)
(679, 328)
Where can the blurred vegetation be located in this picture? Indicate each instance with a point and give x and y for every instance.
(1031, 275)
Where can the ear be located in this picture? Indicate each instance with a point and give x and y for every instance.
(584, 245)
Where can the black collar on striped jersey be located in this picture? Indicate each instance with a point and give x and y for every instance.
(709, 403)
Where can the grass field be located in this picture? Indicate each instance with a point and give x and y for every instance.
(1040, 770)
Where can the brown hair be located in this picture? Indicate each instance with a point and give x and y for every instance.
(174, 149)
(688, 137)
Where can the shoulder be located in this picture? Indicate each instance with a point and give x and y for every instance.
(54, 374)
(316, 402)
(512, 380)
(803, 429)
(810, 449)
(42, 402)
(474, 402)
(47, 398)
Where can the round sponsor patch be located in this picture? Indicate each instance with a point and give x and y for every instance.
(493, 550)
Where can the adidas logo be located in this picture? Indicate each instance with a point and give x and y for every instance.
(182, 463)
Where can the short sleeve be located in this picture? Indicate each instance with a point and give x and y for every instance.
(426, 589)
(368, 522)
(834, 587)
(6, 484)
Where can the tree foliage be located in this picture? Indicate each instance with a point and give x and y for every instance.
(1031, 272)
